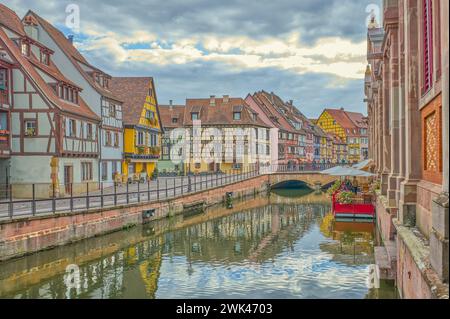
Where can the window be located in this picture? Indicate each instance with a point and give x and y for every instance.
(86, 171)
(89, 132)
(149, 115)
(30, 128)
(290, 136)
(194, 116)
(174, 120)
(267, 150)
(255, 116)
(3, 79)
(104, 171)
(116, 139)
(108, 137)
(140, 138)
(150, 92)
(236, 116)
(427, 34)
(267, 135)
(45, 58)
(197, 166)
(72, 128)
(112, 110)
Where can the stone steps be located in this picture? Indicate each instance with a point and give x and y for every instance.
(386, 260)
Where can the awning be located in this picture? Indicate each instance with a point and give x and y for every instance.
(363, 164)
(348, 171)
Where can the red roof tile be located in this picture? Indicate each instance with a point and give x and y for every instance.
(9, 19)
(169, 112)
(46, 90)
(133, 92)
(221, 113)
(74, 55)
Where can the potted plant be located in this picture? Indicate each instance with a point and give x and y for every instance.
(141, 150)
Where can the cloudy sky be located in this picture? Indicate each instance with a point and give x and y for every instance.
(310, 51)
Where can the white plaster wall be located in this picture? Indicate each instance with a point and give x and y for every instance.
(22, 171)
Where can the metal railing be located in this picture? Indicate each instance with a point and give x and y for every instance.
(24, 200)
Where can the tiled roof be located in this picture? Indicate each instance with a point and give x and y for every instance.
(29, 69)
(168, 112)
(267, 104)
(74, 55)
(9, 19)
(341, 118)
(221, 113)
(133, 92)
(358, 119)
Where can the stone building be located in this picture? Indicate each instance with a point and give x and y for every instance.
(407, 92)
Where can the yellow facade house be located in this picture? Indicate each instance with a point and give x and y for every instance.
(142, 126)
(343, 124)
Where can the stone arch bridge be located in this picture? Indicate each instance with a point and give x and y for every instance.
(313, 180)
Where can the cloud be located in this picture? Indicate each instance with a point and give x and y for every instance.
(312, 51)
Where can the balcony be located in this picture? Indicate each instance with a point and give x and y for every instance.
(145, 153)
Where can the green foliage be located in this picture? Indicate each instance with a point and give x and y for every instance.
(345, 197)
(334, 187)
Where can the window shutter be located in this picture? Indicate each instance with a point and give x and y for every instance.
(427, 46)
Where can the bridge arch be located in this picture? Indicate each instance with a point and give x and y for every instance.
(311, 180)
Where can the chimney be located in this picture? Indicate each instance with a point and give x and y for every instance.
(170, 105)
(342, 109)
(226, 98)
(291, 102)
(70, 38)
(212, 100)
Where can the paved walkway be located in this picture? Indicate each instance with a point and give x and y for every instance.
(163, 188)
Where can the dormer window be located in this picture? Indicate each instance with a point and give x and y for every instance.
(174, 120)
(236, 116)
(194, 116)
(25, 48)
(45, 58)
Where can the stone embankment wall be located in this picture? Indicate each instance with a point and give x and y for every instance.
(24, 236)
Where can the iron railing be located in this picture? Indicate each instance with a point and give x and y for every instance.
(24, 200)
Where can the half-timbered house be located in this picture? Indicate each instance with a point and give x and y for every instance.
(51, 133)
(142, 125)
(96, 92)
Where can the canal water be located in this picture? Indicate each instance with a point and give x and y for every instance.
(285, 245)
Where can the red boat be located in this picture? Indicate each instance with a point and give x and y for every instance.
(361, 207)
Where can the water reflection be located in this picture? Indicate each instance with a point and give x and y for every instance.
(268, 247)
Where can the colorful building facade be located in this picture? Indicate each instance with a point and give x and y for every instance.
(350, 127)
(172, 117)
(95, 91)
(142, 126)
(49, 134)
(227, 115)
